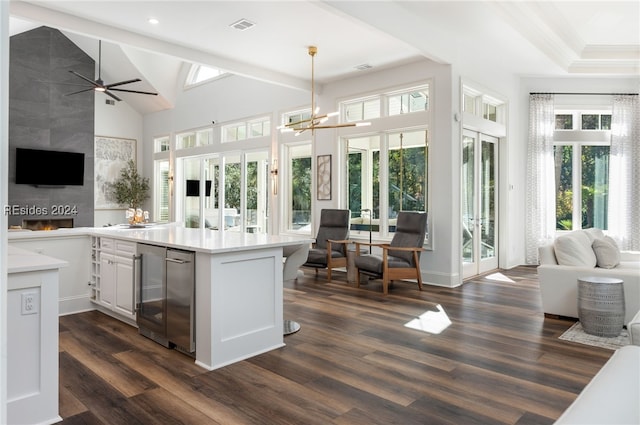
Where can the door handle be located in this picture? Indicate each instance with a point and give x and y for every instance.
(136, 305)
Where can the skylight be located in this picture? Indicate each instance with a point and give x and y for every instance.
(200, 73)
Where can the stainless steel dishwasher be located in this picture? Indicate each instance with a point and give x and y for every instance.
(166, 309)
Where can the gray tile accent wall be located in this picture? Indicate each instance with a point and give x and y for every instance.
(42, 117)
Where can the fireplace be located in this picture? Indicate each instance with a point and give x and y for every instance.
(47, 223)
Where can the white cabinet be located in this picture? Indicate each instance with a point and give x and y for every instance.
(113, 269)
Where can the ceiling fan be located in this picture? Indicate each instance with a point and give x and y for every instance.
(99, 85)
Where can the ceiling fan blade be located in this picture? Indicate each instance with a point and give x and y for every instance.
(79, 91)
(108, 93)
(85, 78)
(135, 91)
(63, 83)
(121, 83)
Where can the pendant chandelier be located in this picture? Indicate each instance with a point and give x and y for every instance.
(315, 121)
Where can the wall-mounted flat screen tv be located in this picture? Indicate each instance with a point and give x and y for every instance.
(49, 168)
(193, 188)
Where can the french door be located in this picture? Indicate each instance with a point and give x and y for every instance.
(479, 203)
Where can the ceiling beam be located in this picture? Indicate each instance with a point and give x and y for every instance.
(67, 22)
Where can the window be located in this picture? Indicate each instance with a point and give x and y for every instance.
(194, 138)
(581, 168)
(161, 144)
(475, 102)
(161, 196)
(596, 122)
(582, 186)
(386, 173)
(243, 130)
(362, 110)
(298, 188)
(412, 101)
(585, 121)
(199, 74)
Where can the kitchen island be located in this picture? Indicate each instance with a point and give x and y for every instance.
(32, 337)
(238, 286)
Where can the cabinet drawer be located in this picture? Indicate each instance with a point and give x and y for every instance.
(125, 248)
(106, 244)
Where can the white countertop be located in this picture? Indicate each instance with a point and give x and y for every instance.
(20, 260)
(201, 240)
(174, 235)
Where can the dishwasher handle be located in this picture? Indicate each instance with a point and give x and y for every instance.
(136, 282)
(176, 260)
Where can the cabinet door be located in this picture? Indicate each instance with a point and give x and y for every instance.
(124, 295)
(107, 279)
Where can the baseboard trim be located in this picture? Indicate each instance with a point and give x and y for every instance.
(75, 304)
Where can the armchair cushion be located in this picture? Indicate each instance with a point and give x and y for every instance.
(319, 256)
(373, 263)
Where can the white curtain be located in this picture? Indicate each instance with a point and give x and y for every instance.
(540, 223)
(624, 173)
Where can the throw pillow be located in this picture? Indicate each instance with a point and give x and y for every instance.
(574, 249)
(607, 253)
(593, 233)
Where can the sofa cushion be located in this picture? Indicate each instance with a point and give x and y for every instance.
(593, 233)
(574, 249)
(607, 252)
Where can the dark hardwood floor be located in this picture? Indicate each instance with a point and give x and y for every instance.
(353, 362)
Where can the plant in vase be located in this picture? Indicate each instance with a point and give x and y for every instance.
(131, 189)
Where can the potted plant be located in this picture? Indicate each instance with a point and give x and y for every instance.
(131, 189)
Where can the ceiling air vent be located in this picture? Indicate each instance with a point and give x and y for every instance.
(363, 67)
(110, 102)
(242, 24)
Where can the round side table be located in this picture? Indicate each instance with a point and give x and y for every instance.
(601, 305)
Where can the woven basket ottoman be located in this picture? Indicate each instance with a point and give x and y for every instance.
(601, 305)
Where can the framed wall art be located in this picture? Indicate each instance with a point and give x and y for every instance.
(324, 177)
(111, 156)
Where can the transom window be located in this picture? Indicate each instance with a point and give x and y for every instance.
(243, 130)
(579, 120)
(193, 139)
(161, 144)
(407, 102)
(482, 105)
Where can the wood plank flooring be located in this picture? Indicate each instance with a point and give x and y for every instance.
(353, 362)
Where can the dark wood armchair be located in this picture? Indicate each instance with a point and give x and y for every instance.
(330, 249)
(400, 259)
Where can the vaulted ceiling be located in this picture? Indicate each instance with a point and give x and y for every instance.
(527, 38)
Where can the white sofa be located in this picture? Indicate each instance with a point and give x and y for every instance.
(559, 282)
(612, 395)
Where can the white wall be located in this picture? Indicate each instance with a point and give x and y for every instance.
(121, 121)
(4, 165)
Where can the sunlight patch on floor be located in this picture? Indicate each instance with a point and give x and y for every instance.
(499, 277)
(430, 321)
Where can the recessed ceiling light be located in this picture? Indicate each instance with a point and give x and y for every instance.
(153, 21)
(242, 24)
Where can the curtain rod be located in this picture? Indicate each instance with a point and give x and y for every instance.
(592, 94)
